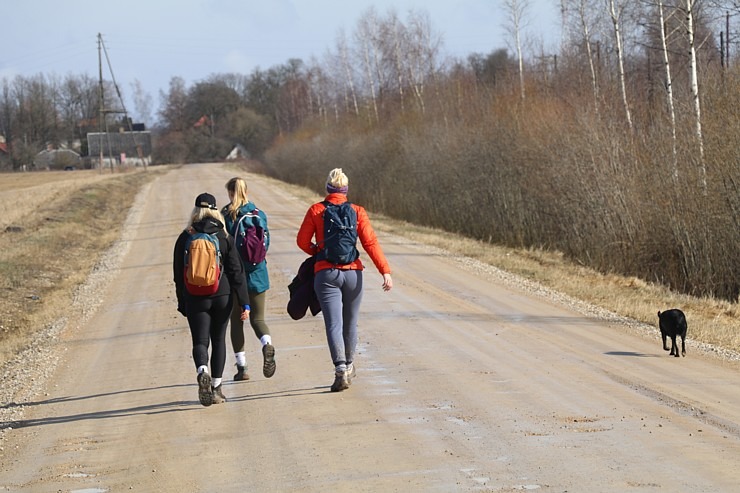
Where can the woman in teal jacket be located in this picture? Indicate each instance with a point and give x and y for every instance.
(258, 282)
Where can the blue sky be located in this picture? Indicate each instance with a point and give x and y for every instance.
(154, 40)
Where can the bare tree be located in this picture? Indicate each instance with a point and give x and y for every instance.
(669, 86)
(343, 53)
(78, 106)
(690, 6)
(366, 36)
(394, 33)
(172, 105)
(582, 12)
(517, 11)
(615, 11)
(318, 89)
(423, 49)
(142, 101)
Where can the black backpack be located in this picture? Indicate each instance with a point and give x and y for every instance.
(340, 234)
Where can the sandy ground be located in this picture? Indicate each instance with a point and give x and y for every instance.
(464, 383)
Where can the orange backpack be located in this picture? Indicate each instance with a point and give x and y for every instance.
(202, 263)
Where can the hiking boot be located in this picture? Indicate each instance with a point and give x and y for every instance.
(351, 372)
(340, 382)
(218, 396)
(268, 366)
(241, 374)
(205, 392)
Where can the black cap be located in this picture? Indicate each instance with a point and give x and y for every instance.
(205, 200)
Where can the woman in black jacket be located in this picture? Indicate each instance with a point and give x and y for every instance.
(208, 314)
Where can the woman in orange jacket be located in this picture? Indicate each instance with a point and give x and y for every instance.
(338, 281)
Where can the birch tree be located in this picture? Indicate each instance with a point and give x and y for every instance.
(615, 12)
(394, 35)
(423, 47)
(516, 11)
(318, 89)
(668, 86)
(690, 6)
(582, 13)
(366, 35)
(346, 66)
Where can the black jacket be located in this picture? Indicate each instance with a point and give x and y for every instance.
(233, 276)
(302, 294)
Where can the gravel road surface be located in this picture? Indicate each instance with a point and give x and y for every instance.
(466, 381)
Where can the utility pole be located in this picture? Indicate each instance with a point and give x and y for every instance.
(101, 100)
(104, 111)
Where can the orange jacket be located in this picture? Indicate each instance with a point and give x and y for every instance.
(313, 226)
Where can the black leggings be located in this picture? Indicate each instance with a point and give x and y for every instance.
(208, 319)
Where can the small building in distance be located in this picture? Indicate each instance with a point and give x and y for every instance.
(125, 148)
(51, 158)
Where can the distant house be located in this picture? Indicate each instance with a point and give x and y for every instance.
(57, 159)
(238, 152)
(124, 148)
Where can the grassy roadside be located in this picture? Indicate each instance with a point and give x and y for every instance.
(53, 246)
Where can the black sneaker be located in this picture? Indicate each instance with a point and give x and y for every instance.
(205, 392)
(268, 366)
(340, 382)
(241, 374)
(218, 396)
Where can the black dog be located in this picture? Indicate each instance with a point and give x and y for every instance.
(673, 324)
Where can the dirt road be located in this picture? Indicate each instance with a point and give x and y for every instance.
(463, 384)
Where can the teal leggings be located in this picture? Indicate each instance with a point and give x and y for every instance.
(256, 320)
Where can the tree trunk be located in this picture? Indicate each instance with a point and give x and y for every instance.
(620, 59)
(690, 4)
(669, 88)
(589, 52)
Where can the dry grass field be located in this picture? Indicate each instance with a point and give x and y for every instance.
(54, 226)
(21, 193)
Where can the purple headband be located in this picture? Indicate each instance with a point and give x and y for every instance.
(331, 189)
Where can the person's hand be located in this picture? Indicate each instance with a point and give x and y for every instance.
(245, 312)
(387, 282)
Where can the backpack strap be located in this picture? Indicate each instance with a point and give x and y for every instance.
(251, 214)
(236, 225)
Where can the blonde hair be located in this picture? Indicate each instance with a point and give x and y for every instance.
(237, 188)
(201, 213)
(337, 178)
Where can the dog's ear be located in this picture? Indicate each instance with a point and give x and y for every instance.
(658, 313)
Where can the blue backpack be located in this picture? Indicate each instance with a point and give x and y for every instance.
(202, 263)
(340, 234)
(250, 238)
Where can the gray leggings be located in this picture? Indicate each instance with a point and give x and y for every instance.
(340, 293)
(256, 320)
